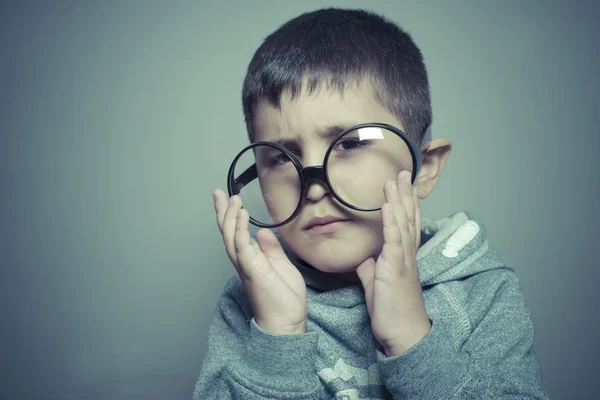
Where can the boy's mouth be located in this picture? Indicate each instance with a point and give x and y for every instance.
(326, 224)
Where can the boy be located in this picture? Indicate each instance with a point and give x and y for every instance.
(358, 297)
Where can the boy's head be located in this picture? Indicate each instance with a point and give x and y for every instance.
(336, 67)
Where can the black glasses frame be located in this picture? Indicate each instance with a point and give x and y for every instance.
(319, 172)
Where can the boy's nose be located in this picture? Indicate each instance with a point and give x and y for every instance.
(315, 181)
(316, 189)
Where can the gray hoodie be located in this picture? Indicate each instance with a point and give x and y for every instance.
(480, 345)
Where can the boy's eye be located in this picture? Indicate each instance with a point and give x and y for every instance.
(278, 159)
(350, 144)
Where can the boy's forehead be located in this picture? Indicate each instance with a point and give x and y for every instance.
(309, 114)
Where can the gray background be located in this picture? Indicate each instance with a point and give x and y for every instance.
(118, 119)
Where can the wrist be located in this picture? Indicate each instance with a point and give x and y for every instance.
(287, 330)
(403, 344)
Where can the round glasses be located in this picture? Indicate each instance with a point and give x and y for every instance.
(273, 184)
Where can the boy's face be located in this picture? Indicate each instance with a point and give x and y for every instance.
(361, 234)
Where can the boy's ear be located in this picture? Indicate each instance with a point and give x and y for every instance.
(434, 159)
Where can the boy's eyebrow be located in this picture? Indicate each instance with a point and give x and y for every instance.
(329, 132)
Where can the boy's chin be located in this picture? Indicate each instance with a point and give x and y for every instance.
(335, 263)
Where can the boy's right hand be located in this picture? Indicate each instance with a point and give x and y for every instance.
(274, 286)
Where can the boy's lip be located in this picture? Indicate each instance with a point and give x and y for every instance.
(327, 219)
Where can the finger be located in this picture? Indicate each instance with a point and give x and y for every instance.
(229, 225)
(270, 245)
(393, 250)
(406, 213)
(393, 196)
(398, 200)
(245, 250)
(405, 192)
(220, 202)
(418, 218)
(391, 192)
(393, 199)
(366, 274)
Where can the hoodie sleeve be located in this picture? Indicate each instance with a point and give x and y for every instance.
(495, 360)
(242, 361)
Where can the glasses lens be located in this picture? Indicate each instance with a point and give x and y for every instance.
(268, 183)
(362, 161)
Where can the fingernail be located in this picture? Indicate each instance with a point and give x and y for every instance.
(394, 186)
(414, 190)
(214, 196)
(231, 200)
(407, 175)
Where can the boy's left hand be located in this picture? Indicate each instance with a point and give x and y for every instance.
(392, 285)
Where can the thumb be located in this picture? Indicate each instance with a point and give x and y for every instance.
(269, 244)
(366, 271)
